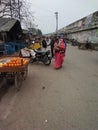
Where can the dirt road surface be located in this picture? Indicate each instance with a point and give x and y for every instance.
(49, 99)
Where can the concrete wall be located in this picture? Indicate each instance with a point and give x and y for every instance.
(83, 29)
(83, 36)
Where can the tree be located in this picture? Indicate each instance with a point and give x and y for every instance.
(18, 9)
(10, 8)
(39, 32)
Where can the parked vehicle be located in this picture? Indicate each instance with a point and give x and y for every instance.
(42, 56)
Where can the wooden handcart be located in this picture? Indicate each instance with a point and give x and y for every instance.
(14, 74)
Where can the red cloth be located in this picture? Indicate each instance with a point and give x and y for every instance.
(59, 59)
(62, 45)
(59, 55)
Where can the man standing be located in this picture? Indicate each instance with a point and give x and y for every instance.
(52, 46)
(44, 43)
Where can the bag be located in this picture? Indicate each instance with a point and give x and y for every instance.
(25, 53)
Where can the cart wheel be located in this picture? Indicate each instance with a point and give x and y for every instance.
(18, 81)
(25, 74)
(10, 81)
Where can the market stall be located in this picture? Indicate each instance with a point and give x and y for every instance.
(14, 68)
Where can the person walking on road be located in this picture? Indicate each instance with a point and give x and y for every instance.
(59, 49)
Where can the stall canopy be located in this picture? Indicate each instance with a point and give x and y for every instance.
(11, 27)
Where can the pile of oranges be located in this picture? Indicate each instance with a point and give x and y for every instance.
(15, 61)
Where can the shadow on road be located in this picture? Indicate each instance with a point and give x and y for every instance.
(4, 87)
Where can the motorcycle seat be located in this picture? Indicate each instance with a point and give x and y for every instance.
(40, 51)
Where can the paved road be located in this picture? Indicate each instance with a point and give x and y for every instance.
(49, 99)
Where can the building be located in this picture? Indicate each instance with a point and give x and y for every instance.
(10, 29)
(10, 36)
(83, 30)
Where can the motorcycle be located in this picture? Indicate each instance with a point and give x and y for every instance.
(42, 56)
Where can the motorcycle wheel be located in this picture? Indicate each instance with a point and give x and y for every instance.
(48, 61)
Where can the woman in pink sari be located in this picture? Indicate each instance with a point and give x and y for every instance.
(59, 49)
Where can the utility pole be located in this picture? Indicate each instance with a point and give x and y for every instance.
(56, 13)
(11, 8)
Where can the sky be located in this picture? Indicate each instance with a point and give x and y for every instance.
(69, 11)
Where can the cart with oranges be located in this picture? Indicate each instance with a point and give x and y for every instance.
(14, 69)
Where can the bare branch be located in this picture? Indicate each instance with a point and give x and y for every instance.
(18, 9)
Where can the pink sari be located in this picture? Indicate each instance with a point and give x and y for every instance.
(59, 59)
(59, 55)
